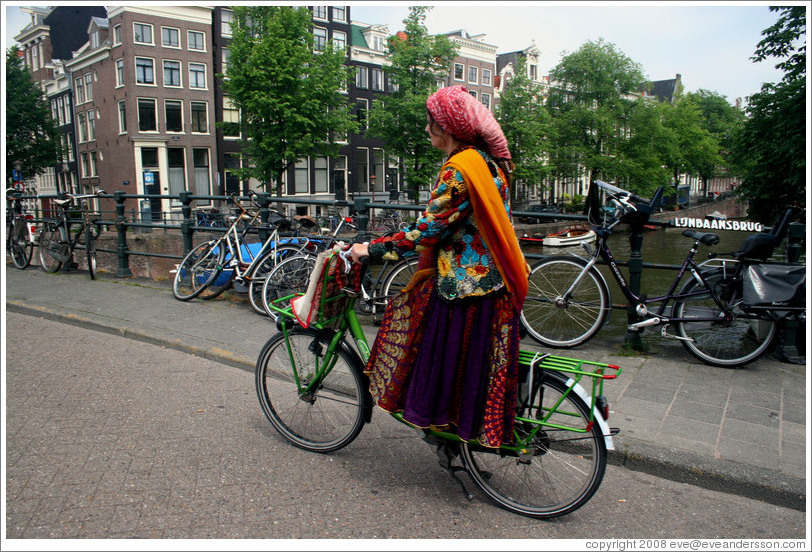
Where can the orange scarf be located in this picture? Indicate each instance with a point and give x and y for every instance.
(493, 222)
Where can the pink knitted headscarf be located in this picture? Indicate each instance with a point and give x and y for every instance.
(464, 117)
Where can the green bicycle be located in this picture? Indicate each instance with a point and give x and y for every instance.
(312, 388)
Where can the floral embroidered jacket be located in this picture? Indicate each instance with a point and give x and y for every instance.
(465, 267)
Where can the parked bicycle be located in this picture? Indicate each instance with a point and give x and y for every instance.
(569, 298)
(20, 231)
(60, 237)
(312, 389)
(211, 267)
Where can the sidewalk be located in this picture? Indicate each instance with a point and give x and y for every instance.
(739, 431)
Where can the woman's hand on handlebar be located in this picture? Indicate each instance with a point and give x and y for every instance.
(359, 252)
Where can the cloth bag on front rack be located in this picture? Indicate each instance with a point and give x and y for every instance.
(324, 298)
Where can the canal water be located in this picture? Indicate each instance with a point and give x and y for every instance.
(662, 246)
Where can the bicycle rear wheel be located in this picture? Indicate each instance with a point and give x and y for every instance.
(198, 269)
(554, 470)
(319, 416)
(90, 250)
(728, 342)
(53, 247)
(264, 266)
(288, 277)
(564, 322)
(21, 245)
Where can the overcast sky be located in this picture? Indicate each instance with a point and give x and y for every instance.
(709, 44)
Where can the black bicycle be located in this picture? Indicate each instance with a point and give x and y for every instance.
(60, 237)
(19, 231)
(569, 299)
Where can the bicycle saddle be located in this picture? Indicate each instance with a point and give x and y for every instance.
(702, 237)
(61, 202)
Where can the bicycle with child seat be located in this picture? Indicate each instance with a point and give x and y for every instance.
(20, 231)
(60, 237)
(569, 299)
(312, 388)
(211, 267)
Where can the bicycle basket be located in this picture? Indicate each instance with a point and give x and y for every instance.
(774, 285)
(327, 291)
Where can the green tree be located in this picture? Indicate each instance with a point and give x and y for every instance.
(31, 134)
(527, 127)
(591, 102)
(772, 145)
(288, 93)
(418, 62)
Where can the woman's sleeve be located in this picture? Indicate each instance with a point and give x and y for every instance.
(448, 207)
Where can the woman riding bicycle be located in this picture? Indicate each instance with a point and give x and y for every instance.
(446, 354)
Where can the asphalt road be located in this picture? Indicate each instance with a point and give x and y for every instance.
(108, 437)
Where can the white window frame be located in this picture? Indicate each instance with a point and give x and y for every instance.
(189, 42)
(193, 82)
(152, 61)
(177, 33)
(339, 40)
(301, 166)
(151, 33)
(182, 122)
(155, 111)
(486, 100)
(179, 71)
(473, 71)
(320, 12)
(226, 20)
(319, 38)
(459, 68)
(117, 35)
(362, 77)
(192, 122)
(340, 13)
(486, 76)
(122, 117)
(119, 72)
(377, 80)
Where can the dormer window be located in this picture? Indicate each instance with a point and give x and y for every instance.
(94, 39)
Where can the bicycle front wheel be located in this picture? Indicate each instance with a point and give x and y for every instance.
(726, 341)
(316, 402)
(90, 250)
(53, 247)
(256, 280)
(398, 277)
(21, 245)
(198, 269)
(288, 277)
(555, 466)
(557, 319)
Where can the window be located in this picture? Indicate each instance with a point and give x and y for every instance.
(533, 69)
(35, 58)
(486, 77)
(79, 91)
(300, 184)
(61, 109)
(64, 107)
(197, 75)
(362, 77)
(200, 160)
(122, 117)
(144, 71)
(231, 119)
(200, 123)
(85, 168)
(147, 117)
(473, 75)
(93, 165)
(459, 71)
(176, 165)
(361, 109)
(377, 79)
(339, 13)
(170, 37)
(226, 21)
(89, 87)
(377, 170)
(320, 183)
(225, 56)
(171, 73)
(91, 125)
(361, 169)
(117, 35)
(80, 126)
(119, 72)
(94, 39)
(69, 143)
(142, 33)
(472, 92)
(320, 12)
(173, 111)
(339, 40)
(55, 112)
(196, 40)
(486, 100)
(319, 38)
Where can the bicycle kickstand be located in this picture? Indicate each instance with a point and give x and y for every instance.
(445, 454)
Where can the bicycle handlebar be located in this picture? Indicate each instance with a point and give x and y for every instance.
(627, 195)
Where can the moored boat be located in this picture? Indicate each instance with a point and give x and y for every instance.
(573, 235)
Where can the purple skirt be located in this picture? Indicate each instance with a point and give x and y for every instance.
(449, 364)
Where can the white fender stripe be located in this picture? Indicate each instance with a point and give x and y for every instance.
(610, 445)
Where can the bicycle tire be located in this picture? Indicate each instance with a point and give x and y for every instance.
(556, 472)
(288, 277)
(257, 277)
(223, 280)
(325, 419)
(198, 269)
(564, 323)
(731, 343)
(53, 246)
(90, 251)
(21, 246)
(399, 275)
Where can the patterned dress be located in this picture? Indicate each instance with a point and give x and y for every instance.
(446, 354)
